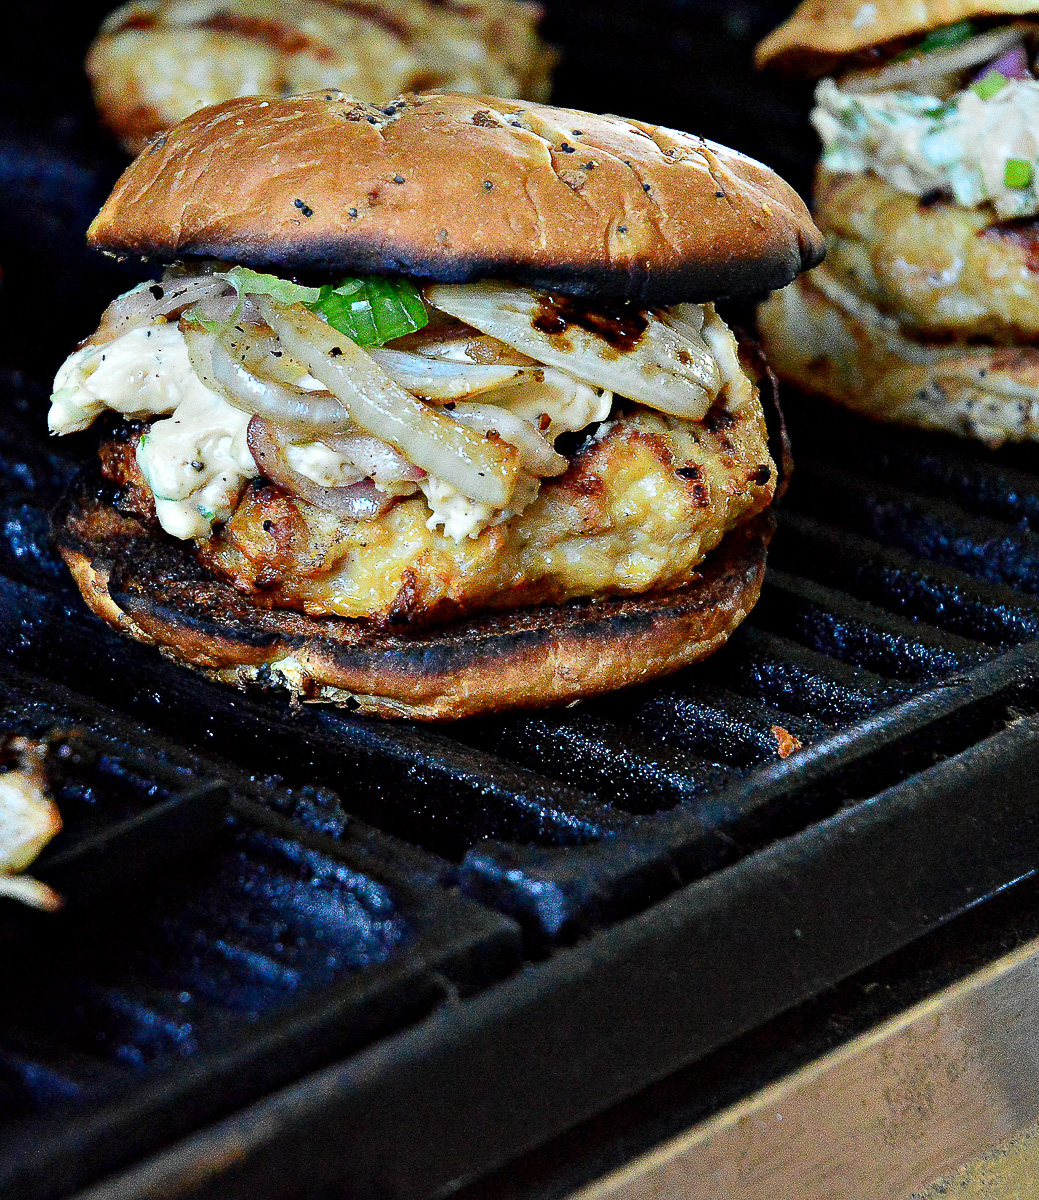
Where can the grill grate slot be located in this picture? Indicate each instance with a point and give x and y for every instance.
(586, 750)
(859, 633)
(779, 671)
(699, 718)
(941, 596)
(933, 529)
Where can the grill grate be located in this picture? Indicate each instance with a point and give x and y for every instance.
(365, 909)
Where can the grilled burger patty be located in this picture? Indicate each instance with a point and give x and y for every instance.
(941, 270)
(641, 503)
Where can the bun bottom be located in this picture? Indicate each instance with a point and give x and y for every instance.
(151, 587)
(856, 356)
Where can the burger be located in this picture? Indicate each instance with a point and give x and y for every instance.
(155, 61)
(431, 412)
(927, 308)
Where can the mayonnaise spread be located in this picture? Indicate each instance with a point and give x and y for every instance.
(920, 144)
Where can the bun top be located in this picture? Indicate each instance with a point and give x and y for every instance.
(819, 33)
(457, 187)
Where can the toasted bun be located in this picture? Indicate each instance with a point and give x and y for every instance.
(454, 188)
(150, 586)
(986, 392)
(820, 33)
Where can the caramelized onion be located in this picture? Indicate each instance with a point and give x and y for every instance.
(926, 69)
(536, 455)
(291, 408)
(665, 367)
(355, 502)
(479, 468)
(446, 379)
(146, 303)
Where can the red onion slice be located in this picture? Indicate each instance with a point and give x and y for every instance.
(1013, 64)
(356, 502)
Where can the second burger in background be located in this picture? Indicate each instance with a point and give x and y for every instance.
(154, 62)
(926, 311)
(432, 411)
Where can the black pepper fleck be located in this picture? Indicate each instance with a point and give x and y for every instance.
(719, 195)
(645, 187)
(373, 120)
(198, 465)
(577, 132)
(398, 179)
(351, 212)
(567, 148)
(268, 525)
(487, 185)
(589, 166)
(305, 209)
(622, 229)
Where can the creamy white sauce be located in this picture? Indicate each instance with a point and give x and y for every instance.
(919, 143)
(196, 460)
(558, 404)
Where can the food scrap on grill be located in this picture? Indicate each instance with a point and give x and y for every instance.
(927, 307)
(155, 61)
(29, 819)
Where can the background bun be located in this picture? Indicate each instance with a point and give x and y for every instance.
(153, 589)
(820, 33)
(457, 187)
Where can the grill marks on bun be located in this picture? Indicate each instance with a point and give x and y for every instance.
(577, 203)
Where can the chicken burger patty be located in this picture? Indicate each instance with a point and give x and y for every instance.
(155, 61)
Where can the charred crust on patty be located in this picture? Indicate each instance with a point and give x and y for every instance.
(154, 589)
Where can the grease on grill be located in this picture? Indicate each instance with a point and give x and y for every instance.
(617, 322)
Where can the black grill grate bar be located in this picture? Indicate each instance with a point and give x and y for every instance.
(560, 896)
(934, 529)
(942, 596)
(704, 719)
(931, 465)
(37, 1075)
(858, 632)
(777, 670)
(419, 784)
(587, 750)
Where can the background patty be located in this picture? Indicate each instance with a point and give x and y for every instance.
(941, 270)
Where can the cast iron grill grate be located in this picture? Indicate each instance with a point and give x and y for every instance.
(365, 908)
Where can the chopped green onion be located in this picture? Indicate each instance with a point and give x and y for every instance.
(939, 39)
(373, 311)
(370, 311)
(1017, 173)
(951, 35)
(988, 85)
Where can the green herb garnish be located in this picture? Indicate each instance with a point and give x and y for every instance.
(940, 39)
(1017, 173)
(988, 85)
(372, 311)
